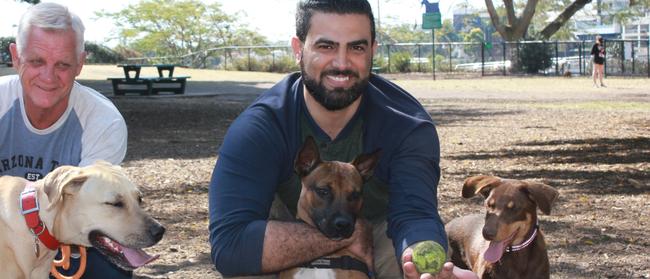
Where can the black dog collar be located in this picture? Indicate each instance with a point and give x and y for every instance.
(344, 262)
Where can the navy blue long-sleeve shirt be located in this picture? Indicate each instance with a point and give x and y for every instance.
(258, 153)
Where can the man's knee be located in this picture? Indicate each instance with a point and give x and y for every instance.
(386, 264)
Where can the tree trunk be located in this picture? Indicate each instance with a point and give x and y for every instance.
(516, 27)
(563, 17)
(495, 20)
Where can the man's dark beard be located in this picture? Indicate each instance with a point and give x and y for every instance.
(338, 98)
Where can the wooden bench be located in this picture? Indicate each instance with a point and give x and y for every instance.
(132, 82)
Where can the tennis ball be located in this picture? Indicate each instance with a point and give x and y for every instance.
(428, 257)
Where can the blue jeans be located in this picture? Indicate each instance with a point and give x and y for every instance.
(97, 267)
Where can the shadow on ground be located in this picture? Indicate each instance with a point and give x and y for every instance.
(181, 126)
(584, 152)
(449, 114)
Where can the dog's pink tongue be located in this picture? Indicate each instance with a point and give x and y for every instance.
(137, 257)
(495, 251)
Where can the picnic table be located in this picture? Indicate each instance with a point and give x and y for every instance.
(133, 82)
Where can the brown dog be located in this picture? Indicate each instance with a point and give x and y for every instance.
(330, 200)
(505, 242)
(90, 206)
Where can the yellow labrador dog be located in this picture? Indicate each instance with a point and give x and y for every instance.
(91, 206)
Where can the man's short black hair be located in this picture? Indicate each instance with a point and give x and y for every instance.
(307, 8)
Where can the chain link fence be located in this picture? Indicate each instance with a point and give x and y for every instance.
(451, 59)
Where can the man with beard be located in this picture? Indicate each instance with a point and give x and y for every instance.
(348, 111)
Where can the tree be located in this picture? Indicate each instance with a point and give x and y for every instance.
(515, 27)
(563, 17)
(412, 33)
(474, 35)
(447, 33)
(405, 33)
(636, 9)
(178, 27)
(545, 10)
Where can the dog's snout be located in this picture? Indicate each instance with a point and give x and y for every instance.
(157, 231)
(490, 227)
(488, 233)
(343, 225)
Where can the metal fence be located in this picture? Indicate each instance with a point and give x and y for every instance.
(624, 58)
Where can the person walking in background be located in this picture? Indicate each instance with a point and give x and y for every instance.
(598, 51)
(49, 119)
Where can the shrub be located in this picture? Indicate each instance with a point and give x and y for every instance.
(401, 62)
(97, 53)
(242, 64)
(5, 55)
(283, 64)
(379, 63)
(535, 57)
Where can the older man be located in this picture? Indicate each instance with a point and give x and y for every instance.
(46, 118)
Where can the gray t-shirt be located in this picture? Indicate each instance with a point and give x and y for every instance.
(90, 129)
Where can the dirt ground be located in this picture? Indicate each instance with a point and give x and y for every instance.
(593, 145)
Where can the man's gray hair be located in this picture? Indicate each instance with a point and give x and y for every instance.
(51, 17)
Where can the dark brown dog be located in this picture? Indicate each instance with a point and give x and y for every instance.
(505, 242)
(330, 200)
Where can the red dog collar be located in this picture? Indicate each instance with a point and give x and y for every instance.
(29, 208)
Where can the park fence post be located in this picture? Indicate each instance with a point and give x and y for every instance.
(633, 68)
(249, 59)
(504, 58)
(419, 56)
(225, 59)
(433, 49)
(482, 59)
(449, 51)
(388, 53)
(622, 57)
(580, 57)
(557, 61)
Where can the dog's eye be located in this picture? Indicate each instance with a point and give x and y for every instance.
(118, 204)
(322, 192)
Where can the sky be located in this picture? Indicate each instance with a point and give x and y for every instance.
(271, 18)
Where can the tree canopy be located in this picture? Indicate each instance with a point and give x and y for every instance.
(178, 27)
(512, 26)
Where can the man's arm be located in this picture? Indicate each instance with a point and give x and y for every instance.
(290, 244)
(107, 142)
(413, 203)
(104, 129)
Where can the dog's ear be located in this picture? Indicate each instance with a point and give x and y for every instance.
(480, 184)
(62, 180)
(308, 157)
(542, 194)
(366, 163)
